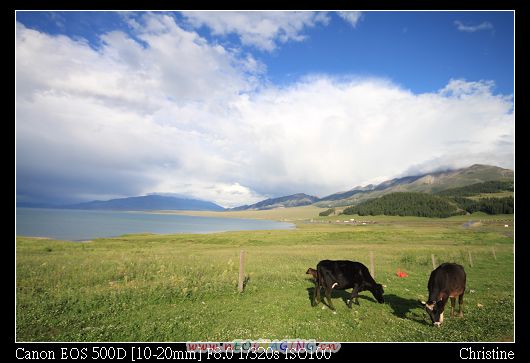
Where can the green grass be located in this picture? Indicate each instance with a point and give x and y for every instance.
(280, 214)
(184, 287)
(492, 195)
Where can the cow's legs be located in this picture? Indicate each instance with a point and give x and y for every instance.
(328, 298)
(316, 295)
(354, 294)
(453, 302)
(460, 305)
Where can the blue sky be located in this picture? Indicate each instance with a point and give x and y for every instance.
(235, 91)
(419, 50)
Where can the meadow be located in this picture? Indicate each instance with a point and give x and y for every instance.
(183, 287)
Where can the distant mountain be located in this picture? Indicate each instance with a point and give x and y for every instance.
(426, 183)
(370, 187)
(37, 205)
(349, 193)
(295, 200)
(148, 202)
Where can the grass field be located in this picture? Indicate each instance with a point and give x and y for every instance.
(184, 287)
(280, 214)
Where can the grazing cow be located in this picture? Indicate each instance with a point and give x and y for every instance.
(447, 281)
(342, 275)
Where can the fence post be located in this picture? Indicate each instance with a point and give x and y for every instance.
(372, 268)
(494, 255)
(470, 259)
(433, 261)
(241, 270)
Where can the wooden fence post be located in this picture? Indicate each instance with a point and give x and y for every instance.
(470, 259)
(241, 270)
(433, 261)
(372, 268)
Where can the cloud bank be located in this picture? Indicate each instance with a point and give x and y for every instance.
(166, 111)
(261, 29)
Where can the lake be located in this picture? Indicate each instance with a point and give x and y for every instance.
(79, 225)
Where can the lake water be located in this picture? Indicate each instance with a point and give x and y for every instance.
(79, 225)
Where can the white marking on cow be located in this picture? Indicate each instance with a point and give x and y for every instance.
(335, 284)
(441, 318)
(437, 324)
(430, 307)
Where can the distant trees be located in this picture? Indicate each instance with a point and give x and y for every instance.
(502, 205)
(327, 212)
(428, 205)
(487, 205)
(406, 204)
(479, 188)
(442, 204)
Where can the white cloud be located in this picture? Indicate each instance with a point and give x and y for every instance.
(180, 115)
(326, 135)
(226, 194)
(124, 112)
(262, 29)
(485, 25)
(351, 17)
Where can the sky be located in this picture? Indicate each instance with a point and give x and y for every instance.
(237, 107)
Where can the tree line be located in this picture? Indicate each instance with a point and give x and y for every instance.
(503, 205)
(327, 212)
(406, 204)
(427, 205)
(479, 188)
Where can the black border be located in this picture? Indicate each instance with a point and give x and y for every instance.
(373, 351)
(393, 351)
(270, 5)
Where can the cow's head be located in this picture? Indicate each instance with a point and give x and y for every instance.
(312, 272)
(435, 309)
(378, 293)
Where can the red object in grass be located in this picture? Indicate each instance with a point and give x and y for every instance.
(400, 273)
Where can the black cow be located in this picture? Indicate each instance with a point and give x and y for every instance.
(447, 281)
(342, 275)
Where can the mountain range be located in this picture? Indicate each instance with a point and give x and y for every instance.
(295, 200)
(425, 183)
(146, 202)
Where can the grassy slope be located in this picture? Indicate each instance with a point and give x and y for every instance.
(444, 181)
(492, 195)
(183, 287)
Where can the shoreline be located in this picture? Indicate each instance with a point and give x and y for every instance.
(40, 238)
(294, 214)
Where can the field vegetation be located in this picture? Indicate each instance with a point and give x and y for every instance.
(183, 287)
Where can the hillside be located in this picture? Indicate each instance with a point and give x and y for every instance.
(406, 204)
(295, 200)
(427, 183)
(148, 202)
(489, 187)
